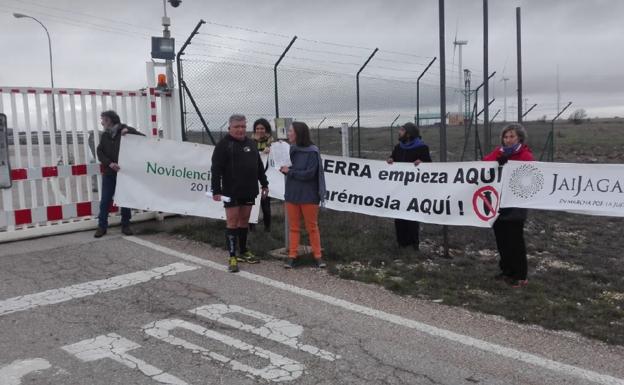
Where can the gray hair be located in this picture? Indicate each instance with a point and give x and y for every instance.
(237, 118)
(518, 128)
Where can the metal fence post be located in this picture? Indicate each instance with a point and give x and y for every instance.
(277, 116)
(181, 78)
(529, 110)
(392, 125)
(318, 133)
(486, 87)
(551, 136)
(357, 87)
(443, 155)
(275, 74)
(351, 151)
(418, 91)
(344, 133)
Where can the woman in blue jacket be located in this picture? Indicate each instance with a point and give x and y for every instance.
(305, 190)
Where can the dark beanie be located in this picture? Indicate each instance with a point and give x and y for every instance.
(412, 131)
(112, 115)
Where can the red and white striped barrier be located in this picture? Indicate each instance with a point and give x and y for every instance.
(76, 91)
(38, 173)
(54, 175)
(56, 213)
(153, 117)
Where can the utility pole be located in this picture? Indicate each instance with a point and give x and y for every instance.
(166, 23)
(519, 61)
(443, 151)
(20, 16)
(486, 87)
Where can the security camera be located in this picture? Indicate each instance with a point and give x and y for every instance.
(175, 3)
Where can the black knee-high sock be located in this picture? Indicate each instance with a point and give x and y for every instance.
(242, 239)
(230, 236)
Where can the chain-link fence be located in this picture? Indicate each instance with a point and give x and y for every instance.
(316, 83)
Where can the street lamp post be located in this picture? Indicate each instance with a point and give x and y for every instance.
(21, 16)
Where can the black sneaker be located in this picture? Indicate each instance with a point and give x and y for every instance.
(320, 263)
(290, 263)
(126, 230)
(99, 232)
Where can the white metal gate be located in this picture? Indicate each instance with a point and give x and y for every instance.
(56, 175)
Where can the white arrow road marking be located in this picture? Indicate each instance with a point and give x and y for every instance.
(273, 329)
(279, 369)
(54, 296)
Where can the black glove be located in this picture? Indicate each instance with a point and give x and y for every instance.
(502, 159)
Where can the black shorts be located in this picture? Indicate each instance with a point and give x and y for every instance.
(235, 202)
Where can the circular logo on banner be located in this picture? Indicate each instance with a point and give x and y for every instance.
(485, 202)
(526, 181)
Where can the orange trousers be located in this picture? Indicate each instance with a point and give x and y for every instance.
(309, 211)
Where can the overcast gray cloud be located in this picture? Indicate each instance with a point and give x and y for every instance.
(104, 44)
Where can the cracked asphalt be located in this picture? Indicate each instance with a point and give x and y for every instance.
(154, 317)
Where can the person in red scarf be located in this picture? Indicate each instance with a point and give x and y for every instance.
(509, 227)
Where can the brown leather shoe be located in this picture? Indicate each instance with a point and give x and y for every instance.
(126, 230)
(99, 232)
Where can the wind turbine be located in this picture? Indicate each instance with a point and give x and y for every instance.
(460, 72)
(504, 79)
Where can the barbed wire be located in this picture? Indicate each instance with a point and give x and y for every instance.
(315, 41)
(450, 72)
(286, 66)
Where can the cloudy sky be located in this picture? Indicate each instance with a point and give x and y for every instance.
(105, 44)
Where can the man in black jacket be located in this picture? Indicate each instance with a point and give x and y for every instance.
(236, 170)
(108, 155)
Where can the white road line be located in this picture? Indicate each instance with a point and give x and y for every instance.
(500, 350)
(50, 297)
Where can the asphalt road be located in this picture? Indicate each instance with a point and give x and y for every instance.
(158, 309)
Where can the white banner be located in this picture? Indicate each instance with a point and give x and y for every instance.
(169, 176)
(466, 193)
(595, 189)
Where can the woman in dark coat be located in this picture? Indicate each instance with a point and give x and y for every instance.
(410, 148)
